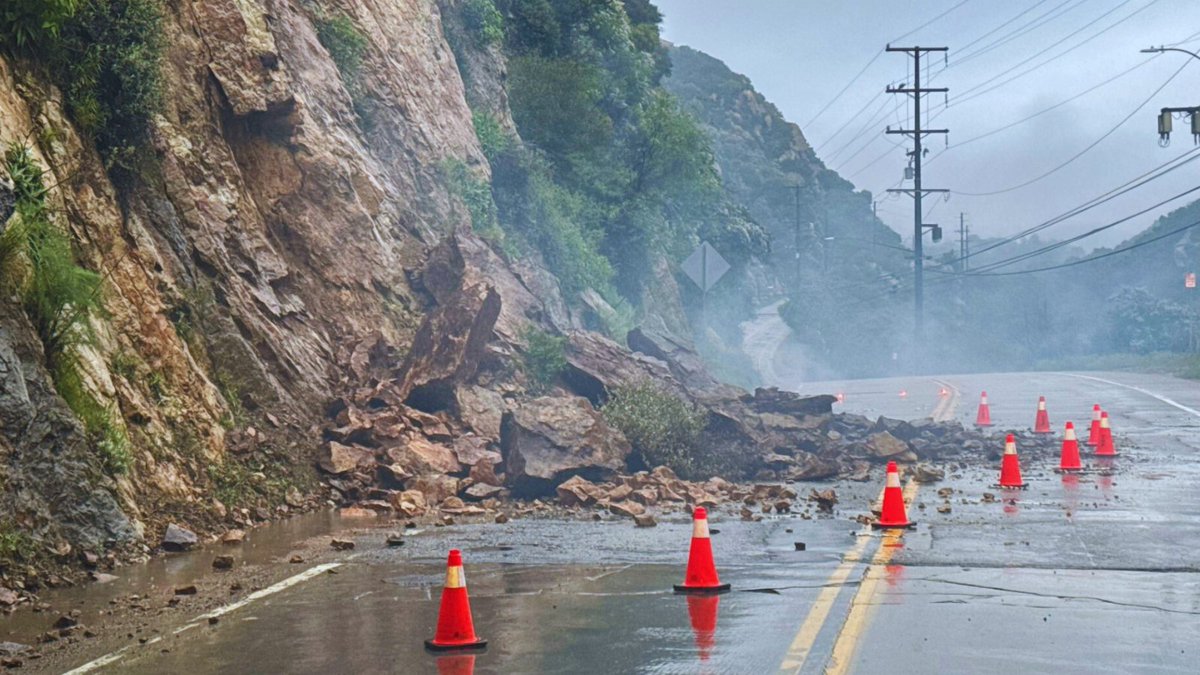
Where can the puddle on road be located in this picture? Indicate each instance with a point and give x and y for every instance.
(156, 577)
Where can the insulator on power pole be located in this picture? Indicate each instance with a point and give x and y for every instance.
(1164, 125)
(1195, 127)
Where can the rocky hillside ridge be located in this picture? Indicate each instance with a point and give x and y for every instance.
(764, 158)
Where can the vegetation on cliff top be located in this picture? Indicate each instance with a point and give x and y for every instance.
(106, 56)
(612, 175)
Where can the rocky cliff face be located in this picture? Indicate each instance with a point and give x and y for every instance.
(257, 269)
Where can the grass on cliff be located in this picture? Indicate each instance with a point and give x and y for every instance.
(347, 46)
(59, 298)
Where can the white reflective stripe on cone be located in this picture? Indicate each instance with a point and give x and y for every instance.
(1010, 448)
(455, 577)
(1069, 435)
(700, 529)
(893, 479)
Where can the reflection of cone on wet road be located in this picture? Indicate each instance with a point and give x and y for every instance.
(1106, 448)
(455, 629)
(893, 513)
(1010, 466)
(1094, 433)
(983, 418)
(1069, 460)
(1041, 423)
(456, 664)
(701, 574)
(702, 612)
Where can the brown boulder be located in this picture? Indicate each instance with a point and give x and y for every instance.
(484, 473)
(472, 450)
(434, 488)
(419, 455)
(448, 346)
(578, 491)
(481, 491)
(884, 444)
(481, 409)
(627, 509)
(645, 496)
(547, 439)
(338, 459)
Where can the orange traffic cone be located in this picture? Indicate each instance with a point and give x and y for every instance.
(1041, 424)
(1010, 466)
(701, 574)
(984, 417)
(893, 514)
(1094, 433)
(702, 612)
(1106, 448)
(455, 629)
(1070, 451)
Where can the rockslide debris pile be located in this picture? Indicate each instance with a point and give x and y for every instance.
(455, 422)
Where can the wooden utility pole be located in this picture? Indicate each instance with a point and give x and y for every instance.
(918, 191)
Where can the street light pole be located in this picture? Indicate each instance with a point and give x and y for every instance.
(1164, 115)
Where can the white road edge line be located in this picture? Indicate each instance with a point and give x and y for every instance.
(1164, 399)
(220, 611)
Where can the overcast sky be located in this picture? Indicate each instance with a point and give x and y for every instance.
(800, 53)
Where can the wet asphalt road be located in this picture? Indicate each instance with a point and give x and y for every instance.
(1084, 574)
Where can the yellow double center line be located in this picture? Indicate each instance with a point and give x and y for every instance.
(856, 620)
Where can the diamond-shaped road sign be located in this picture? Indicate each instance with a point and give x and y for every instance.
(705, 266)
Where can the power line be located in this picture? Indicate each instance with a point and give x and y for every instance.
(974, 92)
(1033, 24)
(1079, 237)
(1101, 256)
(875, 58)
(1084, 151)
(844, 89)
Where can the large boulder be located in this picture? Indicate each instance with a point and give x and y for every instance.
(178, 538)
(883, 445)
(338, 459)
(448, 347)
(419, 456)
(481, 409)
(597, 366)
(545, 440)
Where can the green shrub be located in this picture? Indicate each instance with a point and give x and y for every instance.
(483, 21)
(663, 429)
(475, 193)
(107, 59)
(15, 546)
(344, 41)
(492, 137)
(544, 358)
(27, 24)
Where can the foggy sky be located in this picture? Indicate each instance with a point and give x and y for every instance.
(799, 53)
